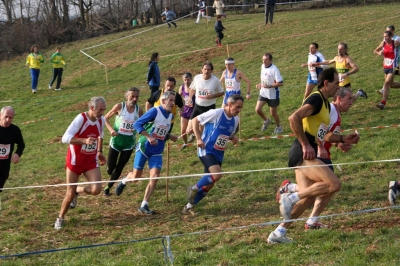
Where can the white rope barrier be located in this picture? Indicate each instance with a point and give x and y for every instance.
(202, 174)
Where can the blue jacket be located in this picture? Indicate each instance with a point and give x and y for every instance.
(153, 75)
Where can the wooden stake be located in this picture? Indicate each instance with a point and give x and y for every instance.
(166, 183)
(105, 69)
(227, 50)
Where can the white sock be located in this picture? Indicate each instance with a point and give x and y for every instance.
(280, 231)
(294, 197)
(292, 187)
(188, 206)
(312, 220)
(144, 203)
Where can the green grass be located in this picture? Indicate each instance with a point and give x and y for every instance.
(27, 216)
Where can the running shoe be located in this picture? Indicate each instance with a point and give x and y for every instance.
(278, 130)
(188, 211)
(380, 92)
(392, 192)
(59, 223)
(362, 93)
(191, 138)
(282, 189)
(274, 239)
(120, 188)
(34, 91)
(106, 192)
(191, 194)
(49, 87)
(265, 124)
(380, 106)
(183, 147)
(58, 89)
(146, 210)
(286, 206)
(74, 201)
(316, 225)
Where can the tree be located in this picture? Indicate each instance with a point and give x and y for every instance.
(8, 7)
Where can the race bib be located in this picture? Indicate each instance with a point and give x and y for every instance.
(89, 148)
(202, 93)
(160, 132)
(322, 132)
(388, 62)
(341, 77)
(4, 151)
(221, 142)
(228, 84)
(336, 131)
(126, 127)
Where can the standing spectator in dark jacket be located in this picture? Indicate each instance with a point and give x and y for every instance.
(269, 10)
(218, 29)
(153, 75)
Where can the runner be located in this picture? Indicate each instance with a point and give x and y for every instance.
(232, 77)
(310, 125)
(213, 131)
(10, 135)
(313, 57)
(271, 80)
(184, 92)
(153, 126)
(341, 103)
(345, 66)
(123, 135)
(85, 138)
(389, 52)
(58, 61)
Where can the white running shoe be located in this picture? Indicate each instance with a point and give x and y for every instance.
(286, 206)
(278, 130)
(59, 223)
(392, 192)
(274, 239)
(49, 87)
(265, 124)
(58, 89)
(316, 225)
(74, 201)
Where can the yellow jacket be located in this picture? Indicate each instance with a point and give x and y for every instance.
(34, 60)
(57, 60)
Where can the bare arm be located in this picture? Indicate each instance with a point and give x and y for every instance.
(115, 110)
(198, 131)
(241, 75)
(354, 66)
(378, 49)
(148, 106)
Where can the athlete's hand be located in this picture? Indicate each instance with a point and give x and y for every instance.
(322, 153)
(15, 158)
(200, 144)
(248, 96)
(173, 138)
(152, 140)
(102, 159)
(344, 147)
(113, 133)
(308, 152)
(258, 86)
(90, 140)
(351, 138)
(234, 140)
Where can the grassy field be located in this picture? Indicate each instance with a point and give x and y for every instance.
(239, 200)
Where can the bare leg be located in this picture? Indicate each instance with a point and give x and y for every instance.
(259, 110)
(309, 89)
(92, 176)
(274, 114)
(70, 194)
(151, 186)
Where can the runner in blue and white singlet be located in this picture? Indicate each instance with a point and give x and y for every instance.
(153, 127)
(232, 78)
(213, 130)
